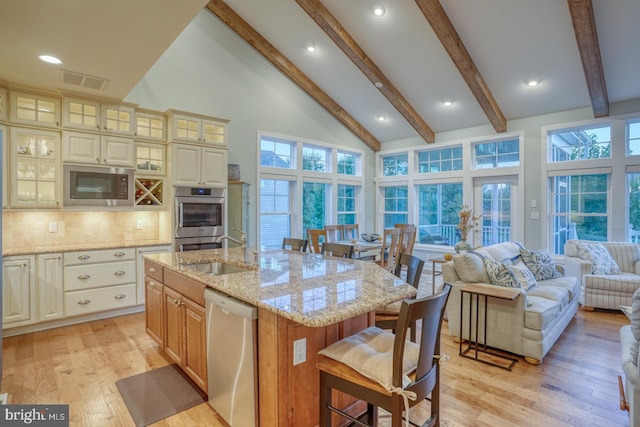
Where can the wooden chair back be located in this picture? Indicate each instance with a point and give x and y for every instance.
(414, 267)
(293, 244)
(389, 249)
(350, 232)
(316, 237)
(407, 239)
(334, 232)
(337, 250)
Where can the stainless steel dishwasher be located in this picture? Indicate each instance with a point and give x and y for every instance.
(231, 358)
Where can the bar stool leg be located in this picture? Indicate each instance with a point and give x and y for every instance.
(325, 399)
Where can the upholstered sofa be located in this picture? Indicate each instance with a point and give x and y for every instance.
(602, 284)
(629, 336)
(530, 324)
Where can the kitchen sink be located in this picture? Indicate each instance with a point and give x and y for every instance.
(214, 268)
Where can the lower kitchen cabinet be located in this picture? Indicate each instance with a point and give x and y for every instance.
(50, 286)
(18, 291)
(154, 311)
(140, 253)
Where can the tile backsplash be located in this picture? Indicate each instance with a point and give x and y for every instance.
(33, 229)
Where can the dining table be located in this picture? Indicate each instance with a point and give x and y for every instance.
(363, 249)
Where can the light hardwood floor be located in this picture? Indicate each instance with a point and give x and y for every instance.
(576, 385)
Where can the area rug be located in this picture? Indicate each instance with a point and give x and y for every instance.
(158, 394)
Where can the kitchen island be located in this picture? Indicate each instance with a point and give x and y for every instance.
(299, 296)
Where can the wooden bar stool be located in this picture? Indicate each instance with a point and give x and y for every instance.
(292, 244)
(317, 236)
(337, 250)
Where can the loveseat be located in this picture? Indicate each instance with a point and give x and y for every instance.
(604, 284)
(629, 336)
(530, 324)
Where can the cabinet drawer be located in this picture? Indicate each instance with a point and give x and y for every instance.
(102, 255)
(77, 277)
(153, 270)
(93, 300)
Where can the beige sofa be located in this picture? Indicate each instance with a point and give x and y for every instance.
(610, 290)
(530, 324)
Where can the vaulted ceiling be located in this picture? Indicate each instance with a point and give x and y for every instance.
(401, 66)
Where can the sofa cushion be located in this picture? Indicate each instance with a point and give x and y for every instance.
(470, 267)
(553, 293)
(625, 283)
(599, 257)
(540, 312)
(540, 263)
(635, 325)
(500, 274)
(569, 283)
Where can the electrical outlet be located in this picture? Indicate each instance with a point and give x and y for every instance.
(53, 227)
(139, 224)
(299, 351)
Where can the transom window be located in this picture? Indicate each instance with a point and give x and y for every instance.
(347, 163)
(396, 164)
(443, 160)
(580, 144)
(497, 154)
(633, 138)
(315, 158)
(276, 153)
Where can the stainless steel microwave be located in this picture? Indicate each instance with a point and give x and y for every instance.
(98, 186)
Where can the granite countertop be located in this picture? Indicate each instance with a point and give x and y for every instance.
(48, 249)
(310, 289)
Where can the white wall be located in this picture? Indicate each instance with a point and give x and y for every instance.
(210, 70)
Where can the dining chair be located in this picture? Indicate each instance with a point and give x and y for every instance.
(293, 244)
(407, 239)
(337, 249)
(334, 233)
(389, 249)
(387, 317)
(381, 384)
(350, 232)
(316, 237)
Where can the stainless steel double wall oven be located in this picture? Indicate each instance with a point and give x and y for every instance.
(199, 218)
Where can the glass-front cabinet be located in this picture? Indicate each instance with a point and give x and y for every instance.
(191, 128)
(92, 115)
(3, 104)
(151, 126)
(35, 110)
(35, 172)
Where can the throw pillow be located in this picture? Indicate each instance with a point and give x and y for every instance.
(635, 325)
(470, 267)
(370, 352)
(539, 263)
(599, 257)
(523, 276)
(499, 273)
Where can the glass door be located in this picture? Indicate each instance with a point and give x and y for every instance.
(495, 201)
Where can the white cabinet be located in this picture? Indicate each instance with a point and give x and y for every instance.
(151, 159)
(200, 129)
(141, 252)
(151, 126)
(35, 168)
(34, 110)
(18, 291)
(4, 141)
(99, 280)
(49, 285)
(3, 105)
(92, 115)
(195, 165)
(89, 148)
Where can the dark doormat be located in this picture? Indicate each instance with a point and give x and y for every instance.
(158, 394)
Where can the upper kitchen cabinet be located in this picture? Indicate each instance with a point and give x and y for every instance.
(151, 126)
(95, 116)
(199, 166)
(4, 139)
(89, 148)
(35, 168)
(34, 110)
(3, 104)
(197, 129)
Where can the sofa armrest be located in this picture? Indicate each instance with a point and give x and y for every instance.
(631, 370)
(636, 267)
(576, 267)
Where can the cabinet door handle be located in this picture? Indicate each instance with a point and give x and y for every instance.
(152, 283)
(84, 277)
(119, 254)
(177, 302)
(120, 296)
(120, 273)
(84, 257)
(152, 270)
(84, 302)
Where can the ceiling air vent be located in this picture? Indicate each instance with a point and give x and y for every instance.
(83, 80)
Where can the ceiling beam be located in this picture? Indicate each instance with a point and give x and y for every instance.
(444, 29)
(251, 36)
(319, 13)
(584, 27)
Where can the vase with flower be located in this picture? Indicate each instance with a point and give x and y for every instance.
(467, 223)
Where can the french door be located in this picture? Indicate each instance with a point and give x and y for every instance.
(495, 202)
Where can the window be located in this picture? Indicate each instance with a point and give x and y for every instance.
(275, 211)
(276, 153)
(397, 164)
(579, 208)
(347, 163)
(634, 207)
(396, 205)
(586, 143)
(497, 203)
(438, 207)
(315, 158)
(347, 204)
(497, 154)
(314, 205)
(633, 138)
(443, 160)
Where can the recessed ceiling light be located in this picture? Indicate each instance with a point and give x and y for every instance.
(533, 82)
(378, 84)
(381, 118)
(311, 48)
(378, 9)
(447, 103)
(50, 59)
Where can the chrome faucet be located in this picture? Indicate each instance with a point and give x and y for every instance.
(242, 242)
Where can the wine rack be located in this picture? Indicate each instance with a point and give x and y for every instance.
(149, 192)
